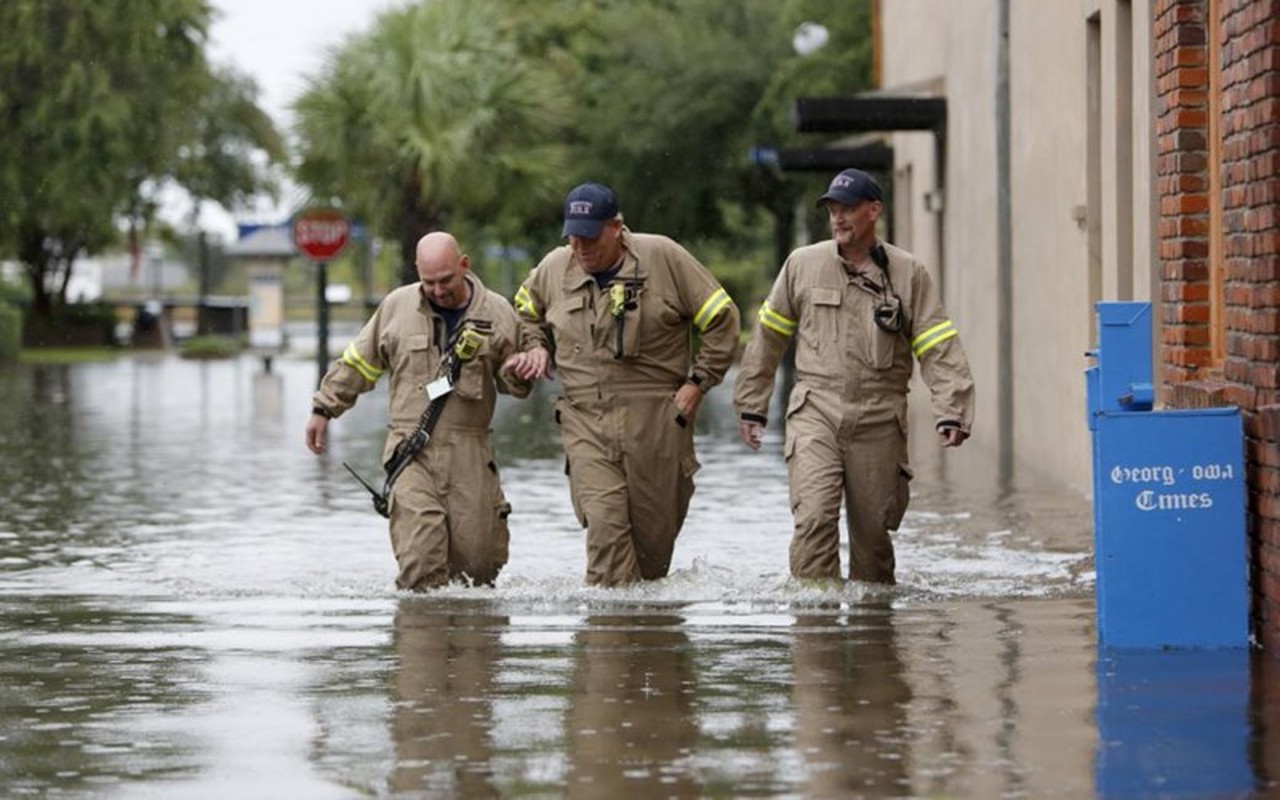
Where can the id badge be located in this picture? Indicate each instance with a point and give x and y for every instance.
(439, 388)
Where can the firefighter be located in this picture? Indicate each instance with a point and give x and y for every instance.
(621, 310)
(448, 514)
(859, 310)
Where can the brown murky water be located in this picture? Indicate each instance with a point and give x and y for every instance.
(194, 606)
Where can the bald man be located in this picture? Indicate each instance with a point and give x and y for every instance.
(448, 515)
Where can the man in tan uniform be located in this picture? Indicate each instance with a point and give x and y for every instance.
(859, 310)
(621, 310)
(447, 510)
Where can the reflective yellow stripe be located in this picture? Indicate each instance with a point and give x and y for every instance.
(714, 305)
(351, 358)
(524, 304)
(776, 322)
(935, 335)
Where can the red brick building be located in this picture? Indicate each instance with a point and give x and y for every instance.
(1217, 91)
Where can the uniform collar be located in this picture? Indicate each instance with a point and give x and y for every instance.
(575, 277)
(866, 268)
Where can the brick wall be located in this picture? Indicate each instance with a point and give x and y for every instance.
(1249, 201)
(1182, 181)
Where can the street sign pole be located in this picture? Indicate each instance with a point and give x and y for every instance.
(320, 234)
(322, 320)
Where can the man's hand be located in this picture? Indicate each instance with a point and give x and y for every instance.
(687, 398)
(952, 436)
(531, 365)
(317, 427)
(752, 433)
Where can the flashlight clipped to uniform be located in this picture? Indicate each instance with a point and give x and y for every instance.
(618, 308)
(624, 295)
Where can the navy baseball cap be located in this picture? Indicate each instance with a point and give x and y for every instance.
(851, 187)
(587, 208)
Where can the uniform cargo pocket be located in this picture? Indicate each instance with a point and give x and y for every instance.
(901, 497)
(797, 400)
(578, 511)
(799, 396)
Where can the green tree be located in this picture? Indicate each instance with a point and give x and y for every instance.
(673, 95)
(840, 68)
(662, 100)
(218, 157)
(665, 91)
(435, 114)
(102, 105)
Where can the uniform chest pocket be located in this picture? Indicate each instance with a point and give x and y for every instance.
(421, 359)
(820, 329)
(570, 320)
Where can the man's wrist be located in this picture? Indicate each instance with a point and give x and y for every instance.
(322, 412)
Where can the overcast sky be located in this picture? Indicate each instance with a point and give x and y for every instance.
(277, 43)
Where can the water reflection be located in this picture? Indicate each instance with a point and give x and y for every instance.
(78, 709)
(1264, 720)
(850, 699)
(1175, 722)
(994, 708)
(268, 399)
(194, 603)
(443, 685)
(631, 724)
(44, 456)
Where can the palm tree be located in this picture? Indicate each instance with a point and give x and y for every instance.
(434, 116)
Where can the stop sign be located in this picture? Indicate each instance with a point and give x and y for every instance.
(321, 233)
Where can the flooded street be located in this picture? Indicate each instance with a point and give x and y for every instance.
(193, 605)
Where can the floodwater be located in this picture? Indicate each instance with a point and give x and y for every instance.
(193, 605)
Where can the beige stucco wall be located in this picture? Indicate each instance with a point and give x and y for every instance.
(952, 45)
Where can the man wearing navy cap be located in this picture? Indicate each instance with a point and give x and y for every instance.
(859, 311)
(617, 309)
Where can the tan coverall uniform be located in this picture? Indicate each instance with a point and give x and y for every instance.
(448, 512)
(846, 418)
(628, 453)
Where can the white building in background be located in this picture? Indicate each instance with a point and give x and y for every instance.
(1078, 224)
(92, 277)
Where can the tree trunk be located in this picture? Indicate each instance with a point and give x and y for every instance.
(35, 262)
(416, 220)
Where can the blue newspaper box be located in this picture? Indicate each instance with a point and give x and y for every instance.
(1169, 504)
